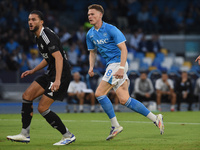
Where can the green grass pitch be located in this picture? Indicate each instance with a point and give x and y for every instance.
(182, 132)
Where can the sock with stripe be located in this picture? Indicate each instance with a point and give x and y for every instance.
(108, 109)
(54, 121)
(137, 106)
(27, 114)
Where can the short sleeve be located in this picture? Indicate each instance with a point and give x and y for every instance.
(53, 45)
(116, 34)
(90, 44)
(51, 40)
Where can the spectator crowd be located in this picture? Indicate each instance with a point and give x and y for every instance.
(136, 19)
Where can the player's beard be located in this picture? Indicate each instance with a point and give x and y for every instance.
(35, 29)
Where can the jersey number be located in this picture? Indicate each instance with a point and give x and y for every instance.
(109, 72)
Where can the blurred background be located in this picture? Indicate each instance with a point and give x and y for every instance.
(162, 35)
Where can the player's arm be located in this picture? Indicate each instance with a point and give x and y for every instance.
(122, 46)
(92, 58)
(59, 67)
(119, 39)
(42, 64)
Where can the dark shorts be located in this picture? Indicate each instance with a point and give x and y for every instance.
(46, 81)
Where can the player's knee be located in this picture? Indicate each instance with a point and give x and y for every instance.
(97, 94)
(41, 108)
(27, 96)
(122, 100)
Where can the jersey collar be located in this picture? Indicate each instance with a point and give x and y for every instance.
(102, 27)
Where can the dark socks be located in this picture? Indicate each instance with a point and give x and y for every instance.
(54, 121)
(26, 113)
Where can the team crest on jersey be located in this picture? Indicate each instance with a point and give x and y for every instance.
(105, 34)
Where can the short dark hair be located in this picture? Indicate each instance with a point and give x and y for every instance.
(97, 7)
(39, 13)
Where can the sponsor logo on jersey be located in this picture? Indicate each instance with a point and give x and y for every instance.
(102, 41)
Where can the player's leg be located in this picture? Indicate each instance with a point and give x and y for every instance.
(32, 92)
(54, 120)
(135, 105)
(101, 95)
(125, 99)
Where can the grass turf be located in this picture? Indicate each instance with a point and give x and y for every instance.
(182, 131)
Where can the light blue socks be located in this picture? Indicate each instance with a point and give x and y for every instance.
(137, 106)
(106, 105)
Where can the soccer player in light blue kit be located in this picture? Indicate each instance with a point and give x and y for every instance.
(110, 43)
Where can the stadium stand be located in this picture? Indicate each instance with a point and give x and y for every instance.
(166, 17)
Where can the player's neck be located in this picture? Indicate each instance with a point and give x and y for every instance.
(98, 25)
(37, 33)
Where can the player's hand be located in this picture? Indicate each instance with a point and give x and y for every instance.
(26, 73)
(197, 59)
(55, 86)
(91, 73)
(119, 74)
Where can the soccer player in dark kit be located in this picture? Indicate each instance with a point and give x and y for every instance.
(52, 85)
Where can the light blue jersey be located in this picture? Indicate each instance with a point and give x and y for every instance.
(105, 40)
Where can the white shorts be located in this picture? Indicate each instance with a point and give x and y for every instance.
(110, 71)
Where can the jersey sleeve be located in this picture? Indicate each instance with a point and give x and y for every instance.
(90, 44)
(116, 34)
(51, 40)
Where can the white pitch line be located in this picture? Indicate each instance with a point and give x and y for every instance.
(101, 121)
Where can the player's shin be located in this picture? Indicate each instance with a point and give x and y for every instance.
(108, 108)
(26, 113)
(137, 106)
(55, 122)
